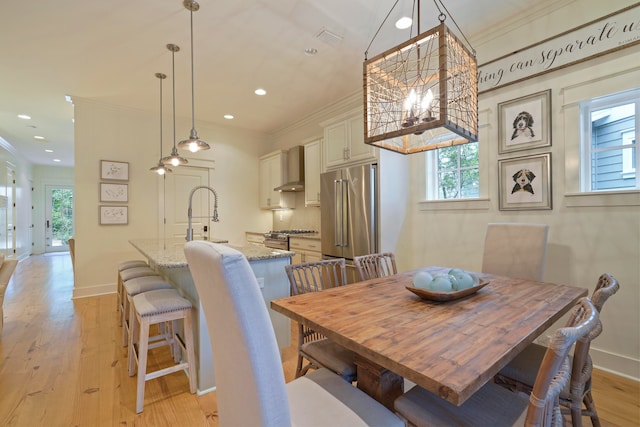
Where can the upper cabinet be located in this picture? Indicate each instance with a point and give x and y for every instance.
(312, 169)
(344, 143)
(273, 173)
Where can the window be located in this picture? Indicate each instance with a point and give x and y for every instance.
(453, 172)
(609, 145)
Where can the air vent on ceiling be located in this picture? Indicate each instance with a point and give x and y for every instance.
(329, 37)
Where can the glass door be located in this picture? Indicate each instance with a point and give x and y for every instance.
(58, 218)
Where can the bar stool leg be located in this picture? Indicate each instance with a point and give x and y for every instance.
(191, 355)
(143, 344)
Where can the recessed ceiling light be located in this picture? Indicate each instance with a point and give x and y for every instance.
(228, 116)
(24, 117)
(260, 92)
(56, 160)
(310, 51)
(403, 23)
(41, 138)
(48, 151)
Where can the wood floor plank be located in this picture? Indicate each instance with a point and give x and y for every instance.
(62, 364)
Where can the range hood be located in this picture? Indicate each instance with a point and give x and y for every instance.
(295, 170)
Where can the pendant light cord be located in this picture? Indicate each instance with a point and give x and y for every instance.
(173, 78)
(366, 52)
(160, 78)
(441, 17)
(193, 119)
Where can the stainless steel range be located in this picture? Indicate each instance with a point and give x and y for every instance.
(279, 239)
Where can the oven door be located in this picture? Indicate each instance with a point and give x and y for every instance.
(276, 243)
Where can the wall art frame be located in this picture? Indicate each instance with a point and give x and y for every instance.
(525, 122)
(114, 215)
(110, 192)
(524, 183)
(114, 171)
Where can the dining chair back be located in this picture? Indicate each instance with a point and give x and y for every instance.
(250, 384)
(316, 276)
(377, 265)
(313, 346)
(519, 375)
(515, 250)
(497, 406)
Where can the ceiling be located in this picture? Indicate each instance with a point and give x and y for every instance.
(109, 51)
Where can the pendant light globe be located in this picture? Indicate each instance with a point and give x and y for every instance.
(193, 143)
(160, 168)
(174, 159)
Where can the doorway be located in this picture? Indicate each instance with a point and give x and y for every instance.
(58, 217)
(177, 188)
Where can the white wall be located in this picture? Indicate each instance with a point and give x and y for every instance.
(588, 236)
(105, 132)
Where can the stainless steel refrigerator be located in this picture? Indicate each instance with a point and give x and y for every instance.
(349, 213)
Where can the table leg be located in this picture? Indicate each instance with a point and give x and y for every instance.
(378, 382)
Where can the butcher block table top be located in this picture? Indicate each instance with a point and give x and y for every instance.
(449, 348)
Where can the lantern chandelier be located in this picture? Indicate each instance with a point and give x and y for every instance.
(174, 159)
(160, 168)
(193, 143)
(422, 94)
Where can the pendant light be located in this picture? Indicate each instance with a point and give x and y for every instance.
(422, 94)
(193, 143)
(174, 159)
(160, 169)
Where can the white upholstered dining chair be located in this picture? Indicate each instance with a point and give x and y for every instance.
(250, 384)
(520, 374)
(494, 405)
(515, 250)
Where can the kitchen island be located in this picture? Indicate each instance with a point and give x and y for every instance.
(166, 256)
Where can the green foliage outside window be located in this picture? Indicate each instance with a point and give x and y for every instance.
(458, 172)
(62, 215)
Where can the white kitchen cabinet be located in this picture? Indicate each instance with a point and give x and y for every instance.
(344, 143)
(273, 173)
(312, 169)
(307, 250)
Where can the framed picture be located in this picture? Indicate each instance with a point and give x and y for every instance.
(525, 123)
(115, 171)
(114, 192)
(114, 215)
(525, 183)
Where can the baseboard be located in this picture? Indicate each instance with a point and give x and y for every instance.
(615, 364)
(93, 291)
(203, 392)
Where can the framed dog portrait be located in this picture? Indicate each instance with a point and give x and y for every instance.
(525, 183)
(525, 123)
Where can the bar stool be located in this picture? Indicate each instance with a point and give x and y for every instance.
(154, 307)
(125, 265)
(127, 274)
(131, 288)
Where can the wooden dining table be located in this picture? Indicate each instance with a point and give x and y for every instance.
(451, 348)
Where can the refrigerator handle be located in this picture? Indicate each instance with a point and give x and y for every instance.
(337, 191)
(344, 221)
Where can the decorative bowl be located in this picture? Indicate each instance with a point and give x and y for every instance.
(447, 296)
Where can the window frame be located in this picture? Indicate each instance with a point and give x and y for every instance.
(432, 175)
(586, 137)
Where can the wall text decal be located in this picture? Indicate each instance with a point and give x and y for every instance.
(613, 32)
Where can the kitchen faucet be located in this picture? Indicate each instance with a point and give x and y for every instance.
(189, 212)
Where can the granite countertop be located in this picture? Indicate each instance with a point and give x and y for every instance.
(169, 253)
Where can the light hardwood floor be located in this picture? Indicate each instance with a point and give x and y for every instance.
(61, 363)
